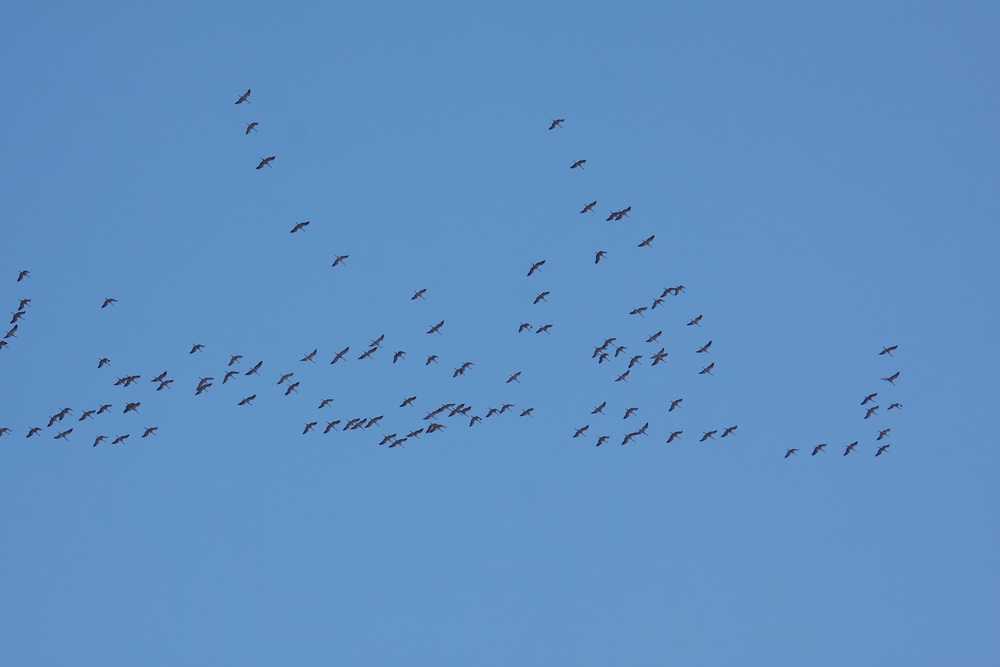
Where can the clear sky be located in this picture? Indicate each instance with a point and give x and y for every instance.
(821, 180)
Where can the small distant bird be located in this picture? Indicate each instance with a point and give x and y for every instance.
(580, 431)
(229, 375)
(10, 334)
(850, 448)
(642, 431)
(252, 126)
(507, 406)
(196, 348)
(790, 452)
(368, 353)
(285, 377)
(298, 226)
(340, 355)
(638, 311)
(18, 315)
(556, 123)
(159, 378)
(331, 426)
(869, 397)
(883, 434)
(707, 369)
(599, 409)
(629, 412)
(436, 328)
(705, 348)
(491, 412)
(589, 207)
(652, 339)
(150, 431)
(871, 411)
(3, 344)
(325, 402)
(24, 302)
(603, 439)
(22, 275)
(657, 302)
(675, 404)
(253, 371)
(887, 350)
(243, 97)
(246, 401)
(729, 431)
(235, 359)
(619, 350)
(309, 427)
(34, 431)
(292, 387)
(513, 378)
(109, 302)
(819, 448)
(103, 362)
(535, 267)
(881, 450)
(377, 342)
(407, 401)
(892, 378)
(545, 329)
(373, 421)
(309, 357)
(4, 430)
(103, 409)
(600, 254)
(603, 358)
(132, 407)
(475, 419)
(628, 437)
(621, 378)
(431, 358)
(675, 434)
(647, 243)
(120, 439)
(165, 383)
(895, 405)
(695, 321)
(709, 434)
(415, 434)
(339, 259)
(541, 297)
(99, 439)
(201, 388)
(527, 413)
(265, 160)
(524, 325)
(578, 163)
(63, 435)
(397, 356)
(419, 294)
(88, 413)
(387, 438)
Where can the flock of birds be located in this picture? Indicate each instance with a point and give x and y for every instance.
(609, 351)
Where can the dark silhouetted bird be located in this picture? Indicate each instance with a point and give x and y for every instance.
(431, 358)
(818, 448)
(103, 409)
(247, 400)
(109, 302)
(339, 259)
(541, 297)
(705, 348)
(603, 439)
(790, 452)
(850, 448)
(235, 359)
(580, 431)
(869, 397)
(309, 357)
(695, 321)
(368, 353)
(196, 348)
(708, 434)
(600, 254)
(265, 160)
(881, 449)
(325, 402)
(103, 362)
(397, 356)
(629, 412)
(63, 436)
(436, 328)
(229, 375)
(285, 377)
(88, 413)
(673, 436)
(638, 311)
(24, 302)
(252, 126)
(888, 350)
(535, 267)
(621, 378)
(589, 207)
(599, 409)
(340, 355)
(120, 439)
(895, 405)
(99, 439)
(557, 123)
(619, 350)
(165, 383)
(331, 426)
(292, 387)
(871, 411)
(308, 427)
(634, 360)
(729, 431)
(524, 325)
(892, 379)
(22, 275)
(150, 431)
(883, 434)
(707, 369)
(407, 401)
(647, 243)
(298, 226)
(513, 378)
(675, 404)
(243, 97)
(527, 413)
(578, 163)
(419, 294)
(34, 431)
(253, 371)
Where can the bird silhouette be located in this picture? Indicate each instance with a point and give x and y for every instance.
(309, 427)
(869, 397)
(235, 359)
(545, 329)
(695, 321)
(527, 413)
(325, 402)
(892, 378)
(638, 311)
(599, 409)
(104, 408)
(247, 400)
(557, 123)
(229, 375)
(628, 437)
(578, 163)
(619, 350)
(475, 419)
(621, 378)
(652, 339)
(883, 434)
(600, 254)
(368, 353)
(431, 358)
(99, 439)
(895, 405)
(881, 450)
(118, 440)
(265, 160)
(674, 435)
(535, 267)
(513, 378)
(436, 328)
(397, 356)
(541, 297)
(705, 348)
(888, 350)
(16, 316)
(285, 377)
(657, 302)
(109, 302)
(419, 294)
(150, 431)
(850, 448)
(675, 404)
(729, 431)
(340, 355)
(707, 369)
(252, 126)
(165, 383)
(4, 430)
(339, 259)
(24, 302)
(647, 243)
(580, 431)
(707, 435)
(589, 207)
(603, 439)
(22, 275)
(507, 406)
(196, 348)
(298, 226)
(524, 325)
(292, 387)
(790, 452)
(309, 357)
(253, 371)
(103, 362)
(407, 401)
(88, 413)
(818, 448)
(331, 426)
(34, 431)
(243, 97)
(634, 360)
(629, 412)
(10, 334)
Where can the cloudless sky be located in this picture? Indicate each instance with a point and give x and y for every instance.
(822, 181)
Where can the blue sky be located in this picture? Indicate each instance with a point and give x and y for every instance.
(823, 182)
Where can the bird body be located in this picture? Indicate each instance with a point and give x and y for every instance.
(150, 431)
(545, 329)
(419, 294)
(600, 254)
(790, 452)
(109, 302)
(196, 348)
(707, 435)
(265, 160)
(118, 440)
(578, 163)
(648, 242)
(599, 409)
(888, 350)
(589, 207)
(247, 400)
(818, 448)
(850, 448)
(309, 427)
(408, 401)
(437, 328)
(673, 436)
(339, 259)
(729, 431)
(243, 98)
(251, 126)
(695, 321)
(340, 355)
(557, 123)
(535, 267)
(513, 378)
(707, 369)
(881, 450)
(299, 226)
(892, 379)
(541, 297)
(580, 431)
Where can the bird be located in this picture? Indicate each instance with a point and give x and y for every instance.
(628, 436)
(556, 123)
(150, 431)
(507, 406)
(98, 439)
(431, 358)
(246, 401)
(368, 353)
(604, 357)
(22, 275)
(621, 378)
(657, 302)
(580, 431)
(53, 419)
(196, 348)
(818, 448)
(415, 434)
(18, 315)
(578, 163)
(397, 356)
(3, 344)
(235, 359)
(10, 334)
(252, 126)
(589, 207)
(475, 419)
(298, 226)
(308, 427)
(545, 329)
(309, 357)
(652, 339)
(869, 397)
(638, 311)
(265, 160)
(103, 362)
(229, 375)
(524, 325)
(675, 404)
(887, 350)
(535, 267)
(600, 254)
(603, 439)
(285, 377)
(619, 350)
(642, 431)
(63, 435)
(291, 388)
(527, 413)
(243, 97)
(708, 434)
(895, 405)
(705, 348)
(634, 360)
(892, 379)
(629, 412)
(88, 413)
(373, 421)
(541, 297)
(165, 383)
(881, 449)
(159, 378)
(647, 243)
(436, 328)
(24, 302)
(883, 434)
(109, 302)
(675, 434)
(340, 355)
(850, 448)
(707, 369)
(397, 442)
(339, 259)
(491, 412)
(331, 426)
(419, 294)
(407, 401)
(790, 452)
(117, 440)
(387, 438)
(325, 402)
(599, 409)
(34, 431)
(729, 431)
(695, 321)
(103, 409)
(4, 430)
(871, 411)
(202, 388)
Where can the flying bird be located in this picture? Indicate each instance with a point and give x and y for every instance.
(652, 339)
(675, 404)
(869, 397)
(419, 294)
(291, 388)
(4, 430)
(599, 409)
(325, 402)
(34, 431)
(850, 448)
(436, 328)
(150, 431)
(629, 412)
(109, 302)
(888, 350)
(545, 329)
(431, 358)
(309, 357)
(600, 254)
(695, 321)
(165, 383)
(513, 378)
(589, 207)
(603, 439)
(298, 226)
(871, 411)
(285, 377)
(790, 452)
(265, 160)
(819, 448)
(729, 431)
(580, 431)
(18, 315)
(339, 259)
(883, 434)
(229, 375)
(407, 401)
(102, 362)
(541, 297)
(657, 302)
(705, 349)
(252, 126)
(524, 325)
(235, 359)
(309, 427)
(708, 434)
(22, 275)
(24, 302)
(397, 356)
(675, 434)
(881, 449)
(475, 419)
(243, 97)
(103, 409)
(707, 369)
(253, 371)
(88, 413)
(196, 348)
(99, 439)
(621, 378)
(246, 401)
(368, 353)
(892, 379)
(527, 413)
(331, 426)
(118, 440)
(63, 435)
(507, 406)
(340, 355)
(638, 311)
(556, 123)
(535, 267)
(628, 437)
(647, 242)
(578, 163)
(619, 350)
(377, 342)
(10, 334)
(895, 405)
